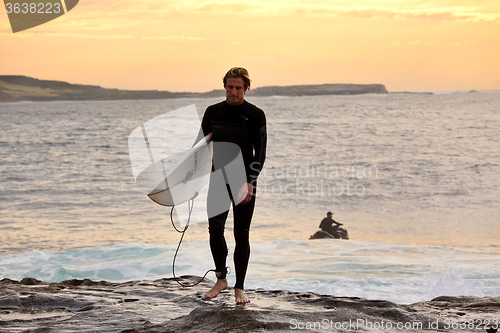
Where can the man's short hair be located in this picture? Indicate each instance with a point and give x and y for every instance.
(237, 72)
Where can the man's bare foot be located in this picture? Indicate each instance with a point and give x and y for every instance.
(220, 285)
(240, 296)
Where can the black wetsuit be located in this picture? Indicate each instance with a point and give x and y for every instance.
(327, 225)
(245, 126)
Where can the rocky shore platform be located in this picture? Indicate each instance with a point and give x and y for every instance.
(165, 306)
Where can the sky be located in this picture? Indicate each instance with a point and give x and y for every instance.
(187, 45)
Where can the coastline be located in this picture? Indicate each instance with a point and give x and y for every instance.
(164, 306)
(16, 88)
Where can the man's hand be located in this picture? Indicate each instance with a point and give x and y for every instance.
(245, 193)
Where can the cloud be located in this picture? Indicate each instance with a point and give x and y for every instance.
(428, 14)
(187, 38)
(420, 43)
(318, 8)
(69, 35)
(115, 16)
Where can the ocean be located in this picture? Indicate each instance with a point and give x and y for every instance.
(413, 178)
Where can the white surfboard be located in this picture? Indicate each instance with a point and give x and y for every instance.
(187, 177)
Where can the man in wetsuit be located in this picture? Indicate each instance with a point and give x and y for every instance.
(243, 126)
(327, 225)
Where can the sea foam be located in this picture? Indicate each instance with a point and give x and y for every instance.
(399, 273)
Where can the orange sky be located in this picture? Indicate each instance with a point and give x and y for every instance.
(187, 45)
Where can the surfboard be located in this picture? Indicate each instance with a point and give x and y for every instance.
(187, 177)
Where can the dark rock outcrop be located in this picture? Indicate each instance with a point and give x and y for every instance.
(164, 306)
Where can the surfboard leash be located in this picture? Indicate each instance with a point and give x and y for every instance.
(190, 209)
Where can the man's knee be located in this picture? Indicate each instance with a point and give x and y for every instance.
(241, 235)
(215, 227)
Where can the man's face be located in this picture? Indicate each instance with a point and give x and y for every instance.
(235, 90)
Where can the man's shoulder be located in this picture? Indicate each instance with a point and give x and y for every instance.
(216, 106)
(253, 107)
(256, 113)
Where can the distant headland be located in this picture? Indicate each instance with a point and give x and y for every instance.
(17, 88)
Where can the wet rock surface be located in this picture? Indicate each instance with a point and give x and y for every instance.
(165, 306)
